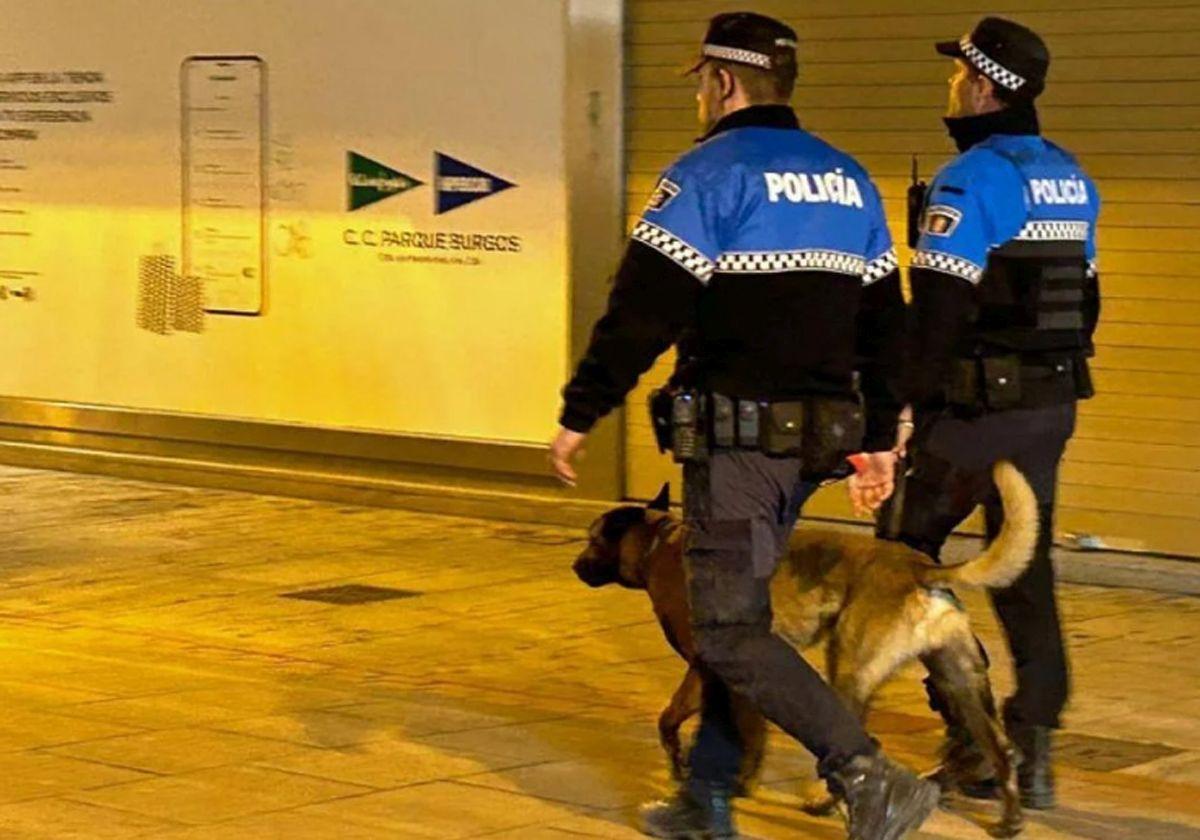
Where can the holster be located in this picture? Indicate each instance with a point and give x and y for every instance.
(660, 404)
(679, 418)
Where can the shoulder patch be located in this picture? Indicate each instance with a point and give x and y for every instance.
(663, 195)
(941, 220)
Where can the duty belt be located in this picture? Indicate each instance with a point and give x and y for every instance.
(820, 430)
(998, 383)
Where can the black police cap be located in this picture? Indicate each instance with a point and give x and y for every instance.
(748, 38)
(1011, 55)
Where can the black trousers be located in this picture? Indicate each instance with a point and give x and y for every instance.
(741, 507)
(950, 475)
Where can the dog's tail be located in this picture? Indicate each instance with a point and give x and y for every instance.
(1009, 555)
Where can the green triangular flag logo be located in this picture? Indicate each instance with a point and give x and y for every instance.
(369, 181)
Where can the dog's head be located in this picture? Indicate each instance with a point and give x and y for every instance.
(617, 542)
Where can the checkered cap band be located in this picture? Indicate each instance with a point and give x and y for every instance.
(881, 267)
(994, 70)
(674, 248)
(738, 56)
(948, 264)
(1043, 231)
(776, 262)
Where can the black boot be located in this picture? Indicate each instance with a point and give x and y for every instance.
(696, 812)
(1035, 773)
(884, 801)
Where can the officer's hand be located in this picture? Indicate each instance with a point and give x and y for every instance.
(562, 449)
(873, 481)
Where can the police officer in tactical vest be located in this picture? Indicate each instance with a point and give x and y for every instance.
(764, 256)
(1005, 299)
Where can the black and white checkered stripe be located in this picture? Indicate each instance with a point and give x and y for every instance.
(776, 262)
(994, 70)
(948, 264)
(738, 56)
(675, 248)
(881, 267)
(1041, 231)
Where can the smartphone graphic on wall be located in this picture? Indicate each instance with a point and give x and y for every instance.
(224, 180)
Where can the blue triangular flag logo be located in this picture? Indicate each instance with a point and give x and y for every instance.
(369, 181)
(459, 183)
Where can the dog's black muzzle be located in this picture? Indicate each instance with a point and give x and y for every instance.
(596, 571)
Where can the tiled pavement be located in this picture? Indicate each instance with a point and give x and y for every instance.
(154, 683)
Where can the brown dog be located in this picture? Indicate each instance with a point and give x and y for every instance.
(877, 606)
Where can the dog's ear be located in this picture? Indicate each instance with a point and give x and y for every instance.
(662, 501)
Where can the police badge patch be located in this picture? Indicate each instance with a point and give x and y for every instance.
(663, 194)
(941, 220)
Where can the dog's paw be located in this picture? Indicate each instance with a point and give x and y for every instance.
(817, 801)
(819, 807)
(1007, 828)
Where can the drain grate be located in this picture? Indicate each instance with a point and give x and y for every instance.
(351, 594)
(1104, 755)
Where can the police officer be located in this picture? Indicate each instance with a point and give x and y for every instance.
(764, 255)
(1005, 299)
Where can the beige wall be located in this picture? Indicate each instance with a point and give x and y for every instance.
(1124, 95)
(355, 333)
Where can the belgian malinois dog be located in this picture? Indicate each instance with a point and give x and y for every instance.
(876, 605)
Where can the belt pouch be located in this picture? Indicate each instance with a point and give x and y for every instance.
(748, 424)
(723, 422)
(1002, 382)
(783, 430)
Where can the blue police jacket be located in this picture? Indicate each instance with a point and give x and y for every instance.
(1006, 260)
(765, 255)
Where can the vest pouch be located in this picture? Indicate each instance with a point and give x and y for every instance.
(836, 428)
(782, 433)
(1001, 382)
(1060, 302)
